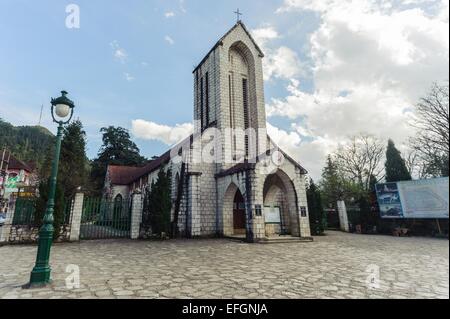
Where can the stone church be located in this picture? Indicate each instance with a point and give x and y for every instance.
(228, 178)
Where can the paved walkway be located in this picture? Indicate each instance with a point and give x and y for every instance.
(335, 266)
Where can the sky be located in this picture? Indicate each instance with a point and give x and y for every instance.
(332, 68)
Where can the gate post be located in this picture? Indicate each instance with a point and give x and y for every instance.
(136, 215)
(5, 230)
(77, 211)
(343, 217)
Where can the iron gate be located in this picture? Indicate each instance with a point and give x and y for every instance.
(105, 219)
(24, 211)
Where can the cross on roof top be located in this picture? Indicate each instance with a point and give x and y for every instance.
(238, 14)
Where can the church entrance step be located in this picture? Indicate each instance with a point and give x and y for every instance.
(274, 239)
(285, 239)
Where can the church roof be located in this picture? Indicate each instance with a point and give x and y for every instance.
(125, 175)
(122, 175)
(239, 23)
(293, 161)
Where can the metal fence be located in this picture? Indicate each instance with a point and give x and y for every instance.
(25, 212)
(104, 219)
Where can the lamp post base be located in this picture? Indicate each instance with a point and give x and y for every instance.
(40, 276)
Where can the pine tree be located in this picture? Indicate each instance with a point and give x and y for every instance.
(331, 185)
(159, 203)
(74, 165)
(315, 208)
(395, 165)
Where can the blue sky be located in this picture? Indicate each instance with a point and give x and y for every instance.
(40, 56)
(325, 62)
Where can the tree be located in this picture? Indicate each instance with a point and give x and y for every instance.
(74, 165)
(27, 143)
(358, 160)
(157, 204)
(117, 149)
(315, 208)
(331, 184)
(395, 165)
(431, 122)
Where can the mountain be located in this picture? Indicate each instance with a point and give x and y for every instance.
(27, 143)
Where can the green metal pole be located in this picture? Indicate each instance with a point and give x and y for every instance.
(40, 276)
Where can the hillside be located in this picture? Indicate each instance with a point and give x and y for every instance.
(27, 143)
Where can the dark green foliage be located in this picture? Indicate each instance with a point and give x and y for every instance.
(27, 143)
(335, 187)
(41, 204)
(157, 204)
(74, 165)
(117, 149)
(395, 166)
(317, 216)
(331, 184)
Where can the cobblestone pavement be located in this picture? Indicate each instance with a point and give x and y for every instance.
(334, 266)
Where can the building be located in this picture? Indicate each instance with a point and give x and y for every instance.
(15, 174)
(228, 178)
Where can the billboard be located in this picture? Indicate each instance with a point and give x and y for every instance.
(427, 198)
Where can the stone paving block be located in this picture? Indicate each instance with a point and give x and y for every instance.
(331, 267)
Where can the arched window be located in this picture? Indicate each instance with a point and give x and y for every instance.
(118, 204)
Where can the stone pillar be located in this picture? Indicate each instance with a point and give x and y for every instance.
(5, 230)
(302, 216)
(136, 215)
(194, 205)
(343, 217)
(257, 202)
(77, 211)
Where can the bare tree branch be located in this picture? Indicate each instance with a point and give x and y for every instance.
(361, 159)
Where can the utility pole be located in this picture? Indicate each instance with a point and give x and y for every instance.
(40, 115)
(4, 165)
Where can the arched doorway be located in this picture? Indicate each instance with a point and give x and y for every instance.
(238, 214)
(280, 205)
(233, 212)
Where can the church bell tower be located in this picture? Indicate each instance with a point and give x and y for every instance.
(229, 95)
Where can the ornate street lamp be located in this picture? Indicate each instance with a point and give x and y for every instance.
(62, 111)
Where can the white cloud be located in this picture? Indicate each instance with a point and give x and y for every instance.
(119, 53)
(169, 135)
(285, 140)
(281, 62)
(182, 6)
(169, 40)
(306, 153)
(128, 77)
(372, 61)
(169, 14)
(263, 35)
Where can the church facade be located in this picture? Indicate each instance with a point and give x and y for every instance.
(228, 178)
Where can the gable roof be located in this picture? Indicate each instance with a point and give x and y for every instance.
(125, 175)
(293, 161)
(220, 42)
(15, 163)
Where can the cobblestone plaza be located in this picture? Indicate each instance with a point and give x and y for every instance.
(334, 266)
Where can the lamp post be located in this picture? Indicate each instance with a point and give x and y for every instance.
(62, 111)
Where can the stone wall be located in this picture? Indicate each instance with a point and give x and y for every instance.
(26, 234)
